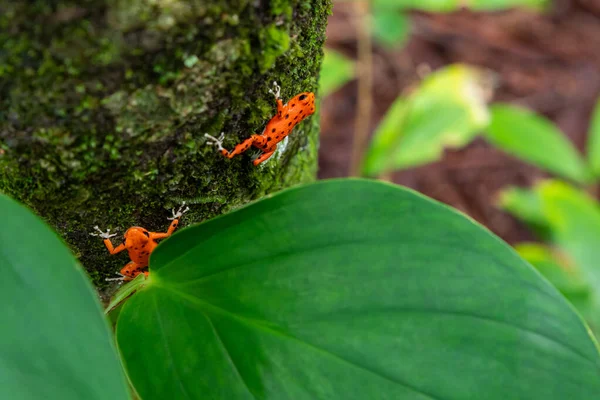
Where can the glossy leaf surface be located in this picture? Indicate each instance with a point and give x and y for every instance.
(350, 289)
(54, 341)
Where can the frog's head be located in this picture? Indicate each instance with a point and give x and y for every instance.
(307, 99)
(136, 237)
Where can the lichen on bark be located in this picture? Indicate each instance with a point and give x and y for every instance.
(104, 106)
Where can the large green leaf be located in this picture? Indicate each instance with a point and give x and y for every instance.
(593, 145)
(535, 139)
(447, 110)
(335, 72)
(350, 289)
(54, 341)
(561, 272)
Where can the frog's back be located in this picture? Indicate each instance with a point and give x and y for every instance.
(298, 108)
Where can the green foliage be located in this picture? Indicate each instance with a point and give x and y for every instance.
(424, 5)
(350, 289)
(536, 140)
(390, 28)
(446, 111)
(336, 70)
(560, 272)
(562, 215)
(571, 221)
(125, 291)
(54, 342)
(496, 5)
(593, 145)
(526, 205)
(453, 5)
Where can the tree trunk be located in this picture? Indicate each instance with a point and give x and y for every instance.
(104, 106)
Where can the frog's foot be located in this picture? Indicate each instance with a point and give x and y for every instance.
(276, 91)
(213, 141)
(103, 235)
(121, 278)
(179, 212)
(254, 154)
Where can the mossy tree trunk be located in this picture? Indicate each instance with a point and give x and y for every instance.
(104, 106)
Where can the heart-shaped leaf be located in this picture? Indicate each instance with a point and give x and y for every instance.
(350, 289)
(54, 341)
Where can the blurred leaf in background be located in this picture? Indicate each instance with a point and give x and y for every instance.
(561, 272)
(526, 205)
(593, 144)
(533, 138)
(391, 28)
(453, 5)
(572, 220)
(424, 5)
(496, 5)
(335, 72)
(447, 110)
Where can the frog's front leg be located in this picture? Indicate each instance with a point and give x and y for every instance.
(106, 236)
(277, 93)
(174, 224)
(254, 140)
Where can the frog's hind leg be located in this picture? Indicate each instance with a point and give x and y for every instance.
(264, 157)
(128, 272)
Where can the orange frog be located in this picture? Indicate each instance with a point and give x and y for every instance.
(139, 243)
(287, 117)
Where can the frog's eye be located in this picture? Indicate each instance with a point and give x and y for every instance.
(146, 233)
(302, 97)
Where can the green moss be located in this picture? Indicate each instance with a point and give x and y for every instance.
(104, 106)
(275, 42)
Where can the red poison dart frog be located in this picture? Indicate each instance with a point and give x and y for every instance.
(287, 117)
(139, 243)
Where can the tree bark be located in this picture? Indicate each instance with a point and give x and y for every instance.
(104, 106)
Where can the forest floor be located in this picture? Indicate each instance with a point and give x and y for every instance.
(549, 63)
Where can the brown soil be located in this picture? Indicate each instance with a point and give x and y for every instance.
(549, 63)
